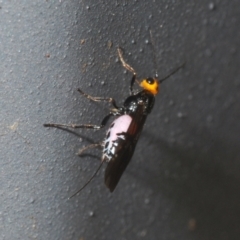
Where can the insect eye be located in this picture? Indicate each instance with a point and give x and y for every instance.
(150, 81)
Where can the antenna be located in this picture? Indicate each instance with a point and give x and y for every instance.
(154, 53)
(90, 179)
(169, 75)
(155, 61)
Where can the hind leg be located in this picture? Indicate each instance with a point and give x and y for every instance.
(95, 145)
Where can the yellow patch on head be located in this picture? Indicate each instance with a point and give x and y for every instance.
(150, 84)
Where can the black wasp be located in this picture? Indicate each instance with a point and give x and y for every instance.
(122, 135)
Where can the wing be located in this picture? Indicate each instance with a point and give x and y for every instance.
(124, 152)
(118, 164)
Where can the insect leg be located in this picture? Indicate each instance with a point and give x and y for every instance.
(132, 82)
(95, 145)
(91, 126)
(129, 68)
(99, 99)
(125, 65)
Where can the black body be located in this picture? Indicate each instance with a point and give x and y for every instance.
(122, 136)
(138, 106)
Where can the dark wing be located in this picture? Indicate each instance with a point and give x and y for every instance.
(124, 152)
(118, 164)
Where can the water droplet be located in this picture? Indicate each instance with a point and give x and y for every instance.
(190, 97)
(58, 211)
(205, 21)
(91, 213)
(233, 50)
(209, 118)
(211, 6)
(210, 80)
(143, 233)
(192, 223)
(180, 115)
(208, 52)
(147, 201)
(166, 120)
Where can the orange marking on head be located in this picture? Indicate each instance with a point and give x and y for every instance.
(151, 85)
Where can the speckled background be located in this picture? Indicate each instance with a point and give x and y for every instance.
(183, 181)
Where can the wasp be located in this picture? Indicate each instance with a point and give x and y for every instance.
(123, 134)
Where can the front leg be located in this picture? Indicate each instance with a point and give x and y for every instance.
(129, 68)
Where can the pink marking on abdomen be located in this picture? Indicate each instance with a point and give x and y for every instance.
(121, 124)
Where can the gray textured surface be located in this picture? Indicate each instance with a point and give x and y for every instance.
(186, 165)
